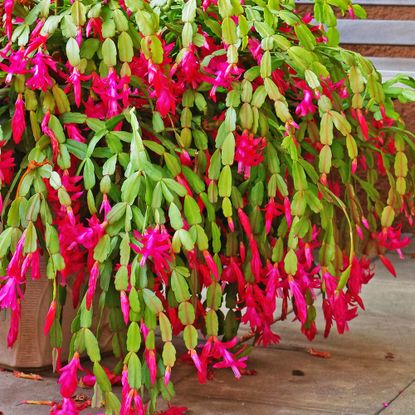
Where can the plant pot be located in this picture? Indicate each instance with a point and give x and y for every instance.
(32, 348)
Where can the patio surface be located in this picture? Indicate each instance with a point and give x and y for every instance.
(371, 369)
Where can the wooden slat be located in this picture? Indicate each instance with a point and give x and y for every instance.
(390, 67)
(373, 2)
(377, 32)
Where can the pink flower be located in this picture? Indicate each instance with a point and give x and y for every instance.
(40, 78)
(223, 74)
(75, 80)
(155, 244)
(150, 356)
(220, 350)
(18, 120)
(6, 167)
(248, 152)
(73, 133)
(8, 16)
(125, 306)
(255, 49)
(196, 360)
(256, 264)
(272, 210)
(306, 106)
(68, 407)
(363, 124)
(167, 374)
(94, 26)
(341, 312)
(36, 40)
(90, 236)
(244, 220)
(9, 293)
(17, 64)
(211, 264)
(190, 68)
(388, 265)
(92, 283)
(49, 132)
(68, 378)
(130, 398)
(390, 238)
(111, 91)
(14, 325)
(299, 300)
(105, 205)
(166, 102)
(287, 210)
(50, 317)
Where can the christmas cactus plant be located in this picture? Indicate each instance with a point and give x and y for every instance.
(186, 164)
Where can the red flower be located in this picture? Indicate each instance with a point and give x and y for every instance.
(95, 26)
(174, 410)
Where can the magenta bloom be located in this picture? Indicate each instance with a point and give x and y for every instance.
(75, 80)
(40, 78)
(131, 402)
(18, 120)
(8, 10)
(150, 356)
(48, 131)
(125, 306)
(211, 264)
(155, 244)
(6, 167)
(73, 133)
(220, 351)
(68, 407)
(14, 326)
(94, 26)
(50, 317)
(306, 106)
(300, 304)
(248, 152)
(68, 378)
(105, 205)
(17, 65)
(92, 284)
(9, 293)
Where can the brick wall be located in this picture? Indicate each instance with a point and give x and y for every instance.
(386, 13)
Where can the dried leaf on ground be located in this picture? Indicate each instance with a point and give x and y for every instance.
(30, 376)
(80, 397)
(248, 372)
(30, 402)
(319, 353)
